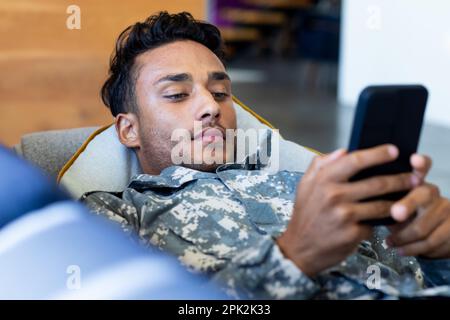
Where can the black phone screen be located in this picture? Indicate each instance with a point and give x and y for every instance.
(389, 114)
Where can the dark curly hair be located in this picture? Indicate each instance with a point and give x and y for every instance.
(118, 92)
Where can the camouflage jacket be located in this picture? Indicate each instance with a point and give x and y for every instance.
(224, 224)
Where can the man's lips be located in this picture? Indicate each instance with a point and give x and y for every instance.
(210, 134)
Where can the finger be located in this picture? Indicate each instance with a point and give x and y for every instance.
(442, 251)
(355, 234)
(356, 212)
(376, 186)
(421, 165)
(365, 232)
(320, 162)
(348, 166)
(438, 237)
(393, 228)
(420, 228)
(419, 197)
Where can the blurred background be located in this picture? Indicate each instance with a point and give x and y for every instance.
(299, 63)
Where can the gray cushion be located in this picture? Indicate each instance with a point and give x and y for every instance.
(50, 150)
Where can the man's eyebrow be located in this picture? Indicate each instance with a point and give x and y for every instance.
(179, 77)
(218, 75)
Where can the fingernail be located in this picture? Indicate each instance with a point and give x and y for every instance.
(393, 151)
(418, 160)
(415, 181)
(399, 212)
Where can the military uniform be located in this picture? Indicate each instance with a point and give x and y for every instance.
(224, 224)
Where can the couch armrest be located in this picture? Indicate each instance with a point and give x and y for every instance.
(50, 150)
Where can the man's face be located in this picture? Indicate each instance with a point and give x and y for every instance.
(177, 84)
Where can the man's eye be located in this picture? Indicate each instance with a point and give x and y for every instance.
(220, 95)
(177, 96)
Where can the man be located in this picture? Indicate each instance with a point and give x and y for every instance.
(282, 235)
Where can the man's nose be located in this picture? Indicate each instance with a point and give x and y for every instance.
(208, 110)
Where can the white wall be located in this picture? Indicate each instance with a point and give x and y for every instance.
(397, 41)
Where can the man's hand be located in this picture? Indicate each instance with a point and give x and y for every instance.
(325, 227)
(426, 233)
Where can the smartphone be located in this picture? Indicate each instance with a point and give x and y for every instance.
(388, 114)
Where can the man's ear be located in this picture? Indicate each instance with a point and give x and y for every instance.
(127, 127)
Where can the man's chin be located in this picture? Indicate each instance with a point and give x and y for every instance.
(202, 167)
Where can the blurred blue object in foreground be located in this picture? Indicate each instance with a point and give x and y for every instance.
(52, 248)
(23, 188)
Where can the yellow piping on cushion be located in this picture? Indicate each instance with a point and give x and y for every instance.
(79, 151)
(264, 121)
(253, 113)
(313, 151)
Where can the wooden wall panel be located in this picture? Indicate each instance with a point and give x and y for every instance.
(50, 75)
